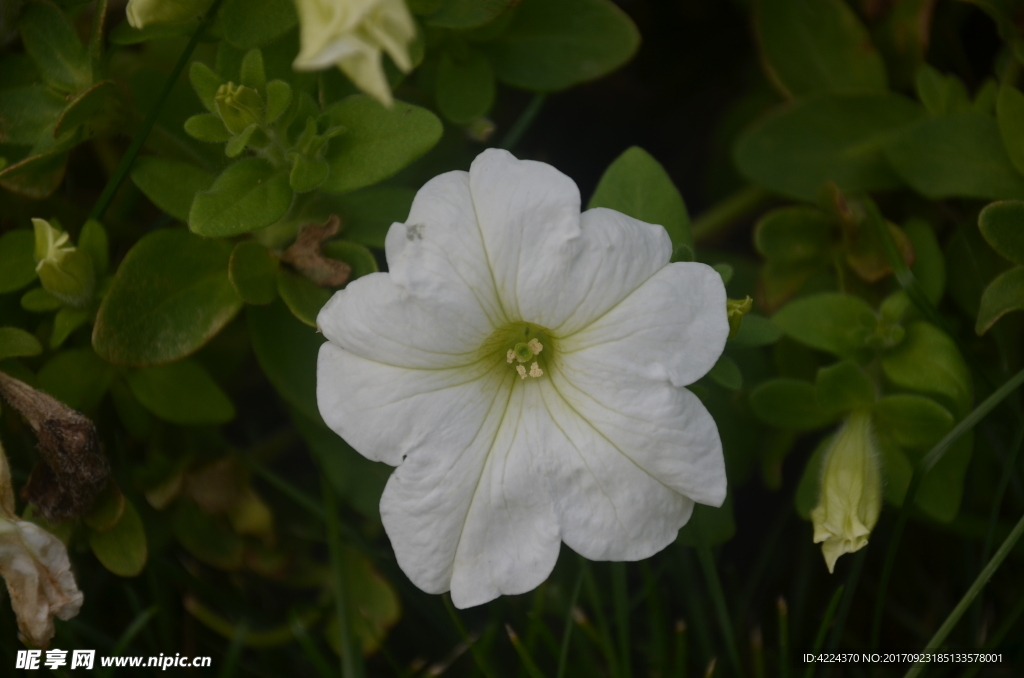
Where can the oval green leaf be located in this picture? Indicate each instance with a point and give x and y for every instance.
(181, 393)
(253, 272)
(122, 549)
(837, 323)
(1002, 226)
(248, 195)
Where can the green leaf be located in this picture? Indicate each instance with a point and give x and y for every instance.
(169, 297)
(67, 320)
(355, 255)
(78, 378)
(810, 46)
(17, 260)
(248, 195)
(279, 98)
(17, 343)
(237, 143)
(941, 94)
(93, 241)
(843, 387)
(254, 23)
(803, 145)
(302, 296)
(958, 155)
(726, 373)
(287, 351)
(207, 127)
(377, 141)
(367, 214)
(92, 106)
(549, 46)
(122, 549)
(464, 86)
(38, 175)
(929, 265)
(181, 393)
(1003, 295)
(171, 185)
(789, 404)
(929, 361)
(51, 41)
(106, 510)
(837, 323)
(637, 185)
(1010, 116)
(253, 272)
(756, 330)
(942, 488)
(463, 14)
(253, 75)
(27, 113)
(794, 235)
(1002, 226)
(357, 480)
(205, 82)
(912, 421)
(206, 538)
(40, 301)
(307, 173)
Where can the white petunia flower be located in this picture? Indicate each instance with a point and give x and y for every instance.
(523, 365)
(35, 566)
(351, 34)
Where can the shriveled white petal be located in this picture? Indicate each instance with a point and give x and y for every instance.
(475, 519)
(663, 429)
(438, 253)
(35, 566)
(672, 328)
(551, 266)
(387, 412)
(376, 319)
(608, 506)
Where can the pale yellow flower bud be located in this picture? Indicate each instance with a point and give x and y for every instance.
(851, 490)
(142, 13)
(351, 34)
(65, 271)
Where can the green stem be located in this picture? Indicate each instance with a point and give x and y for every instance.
(819, 640)
(923, 466)
(563, 655)
(143, 132)
(478, 656)
(524, 656)
(234, 652)
(965, 602)
(724, 214)
(526, 118)
(783, 611)
(351, 657)
(620, 600)
(707, 563)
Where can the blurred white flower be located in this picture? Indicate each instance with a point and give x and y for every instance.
(851, 490)
(35, 566)
(142, 13)
(351, 35)
(523, 365)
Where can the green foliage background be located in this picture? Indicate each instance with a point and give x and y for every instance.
(855, 167)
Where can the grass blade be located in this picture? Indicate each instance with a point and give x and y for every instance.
(923, 466)
(474, 649)
(707, 563)
(682, 658)
(524, 656)
(972, 593)
(129, 634)
(563, 655)
(234, 652)
(819, 640)
(783, 637)
(524, 121)
(351, 659)
(620, 599)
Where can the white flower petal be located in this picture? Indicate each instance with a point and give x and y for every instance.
(476, 520)
(439, 252)
(663, 429)
(376, 319)
(552, 266)
(672, 328)
(609, 508)
(387, 412)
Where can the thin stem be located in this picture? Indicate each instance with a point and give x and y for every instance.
(526, 118)
(783, 611)
(524, 656)
(819, 640)
(707, 563)
(351, 658)
(923, 466)
(621, 602)
(965, 602)
(234, 652)
(140, 136)
(563, 654)
(724, 214)
(479, 657)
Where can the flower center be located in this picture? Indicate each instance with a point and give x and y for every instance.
(526, 348)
